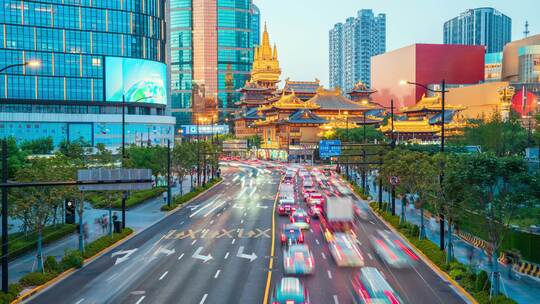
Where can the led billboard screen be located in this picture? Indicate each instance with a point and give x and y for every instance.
(137, 79)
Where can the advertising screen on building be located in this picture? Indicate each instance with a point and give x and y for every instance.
(138, 80)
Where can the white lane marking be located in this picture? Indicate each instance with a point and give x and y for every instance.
(310, 230)
(203, 298)
(181, 256)
(194, 241)
(323, 255)
(217, 274)
(211, 222)
(370, 256)
(372, 223)
(336, 301)
(245, 213)
(359, 243)
(329, 274)
(140, 300)
(218, 214)
(214, 209)
(182, 222)
(242, 221)
(163, 275)
(201, 209)
(80, 301)
(233, 241)
(226, 255)
(317, 241)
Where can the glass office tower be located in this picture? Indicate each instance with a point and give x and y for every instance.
(92, 54)
(211, 45)
(480, 26)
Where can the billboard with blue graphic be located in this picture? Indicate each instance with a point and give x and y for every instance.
(137, 79)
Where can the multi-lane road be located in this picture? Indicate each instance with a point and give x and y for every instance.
(217, 249)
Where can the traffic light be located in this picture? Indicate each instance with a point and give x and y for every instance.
(70, 212)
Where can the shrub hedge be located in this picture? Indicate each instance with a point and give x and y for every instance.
(476, 284)
(19, 243)
(13, 291)
(101, 200)
(103, 242)
(179, 200)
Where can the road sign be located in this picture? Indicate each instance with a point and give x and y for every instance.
(394, 180)
(141, 179)
(235, 145)
(329, 148)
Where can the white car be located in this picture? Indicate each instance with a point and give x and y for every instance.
(345, 251)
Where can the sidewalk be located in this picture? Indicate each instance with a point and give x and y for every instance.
(520, 288)
(137, 218)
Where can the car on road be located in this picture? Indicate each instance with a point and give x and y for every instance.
(298, 260)
(345, 251)
(291, 234)
(300, 219)
(290, 291)
(286, 206)
(369, 286)
(315, 198)
(392, 250)
(306, 192)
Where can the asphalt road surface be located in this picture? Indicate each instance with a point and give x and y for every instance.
(217, 250)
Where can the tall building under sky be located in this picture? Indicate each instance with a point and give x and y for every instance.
(211, 51)
(91, 55)
(480, 26)
(351, 46)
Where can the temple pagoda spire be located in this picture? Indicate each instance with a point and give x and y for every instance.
(266, 70)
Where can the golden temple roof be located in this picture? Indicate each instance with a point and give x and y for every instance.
(266, 68)
(419, 126)
(290, 102)
(431, 104)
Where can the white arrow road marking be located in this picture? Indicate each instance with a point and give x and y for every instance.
(204, 207)
(165, 251)
(163, 275)
(259, 206)
(203, 298)
(125, 253)
(193, 207)
(214, 209)
(238, 207)
(197, 255)
(251, 257)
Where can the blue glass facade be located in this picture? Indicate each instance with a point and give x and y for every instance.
(71, 39)
(235, 42)
(256, 25)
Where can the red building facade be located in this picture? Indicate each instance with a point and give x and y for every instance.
(426, 64)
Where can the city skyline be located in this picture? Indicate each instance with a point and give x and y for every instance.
(304, 48)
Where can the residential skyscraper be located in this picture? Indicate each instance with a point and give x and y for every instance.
(211, 54)
(91, 55)
(351, 46)
(480, 26)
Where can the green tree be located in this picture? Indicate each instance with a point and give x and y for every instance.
(497, 136)
(154, 158)
(103, 156)
(16, 157)
(38, 146)
(356, 135)
(184, 158)
(493, 189)
(72, 149)
(37, 206)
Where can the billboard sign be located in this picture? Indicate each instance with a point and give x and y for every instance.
(329, 148)
(194, 130)
(235, 145)
(141, 179)
(138, 80)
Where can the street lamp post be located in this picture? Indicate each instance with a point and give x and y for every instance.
(169, 173)
(441, 175)
(5, 235)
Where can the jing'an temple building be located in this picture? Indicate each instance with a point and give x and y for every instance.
(291, 121)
